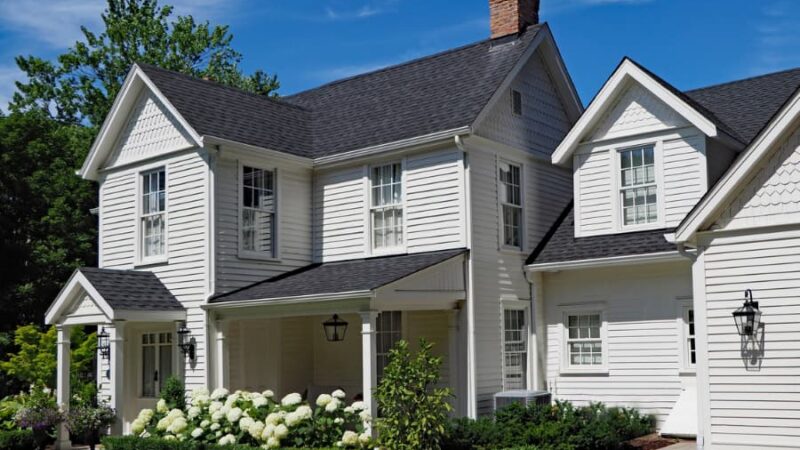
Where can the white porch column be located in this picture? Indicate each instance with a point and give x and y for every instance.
(62, 384)
(369, 363)
(116, 341)
(222, 359)
(452, 355)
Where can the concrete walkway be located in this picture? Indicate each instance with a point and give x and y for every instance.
(685, 445)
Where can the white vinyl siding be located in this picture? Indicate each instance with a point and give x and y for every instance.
(153, 218)
(515, 349)
(386, 207)
(258, 222)
(509, 185)
(594, 209)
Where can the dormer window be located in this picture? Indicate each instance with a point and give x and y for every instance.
(638, 188)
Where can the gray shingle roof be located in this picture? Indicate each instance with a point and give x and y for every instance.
(436, 93)
(340, 276)
(561, 245)
(131, 289)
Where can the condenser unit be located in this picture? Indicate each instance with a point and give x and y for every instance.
(505, 398)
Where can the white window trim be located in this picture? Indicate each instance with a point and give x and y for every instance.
(276, 241)
(370, 247)
(583, 309)
(517, 305)
(523, 228)
(139, 350)
(658, 160)
(684, 305)
(139, 258)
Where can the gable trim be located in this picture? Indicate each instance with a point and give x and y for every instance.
(720, 195)
(616, 84)
(103, 144)
(67, 296)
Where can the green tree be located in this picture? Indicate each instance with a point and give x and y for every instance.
(81, 85)
(413, 412)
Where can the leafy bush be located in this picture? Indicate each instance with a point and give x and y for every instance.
(173, 393)
(17, 440)
(87, 421)
(39, 412)
(255, 418)
(561, 426)
(413, 413)
(135, 443)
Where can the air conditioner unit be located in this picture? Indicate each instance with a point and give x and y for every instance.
(505, 398)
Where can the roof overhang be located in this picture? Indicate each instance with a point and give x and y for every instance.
(625, 260)
(79, 303)
(627, 71)
(135, 82)
(730, 184)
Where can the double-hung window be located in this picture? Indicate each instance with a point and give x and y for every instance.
(156, 362)
(386, 206)
(153, 217)
(584, 340)
(510, 190)
(515, 349)
(388, 331)
(689, 344)
(258, 224)
(638, 188)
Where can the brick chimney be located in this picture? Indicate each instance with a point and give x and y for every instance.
(512, 16)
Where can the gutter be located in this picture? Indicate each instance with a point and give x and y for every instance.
(290, 300)
(648, 258)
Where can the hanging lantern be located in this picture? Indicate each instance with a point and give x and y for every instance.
(185, 341)
(335, 328)
(748, 317)
(103, 344)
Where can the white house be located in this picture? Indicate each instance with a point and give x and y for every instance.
(403, 201)
(682, 200)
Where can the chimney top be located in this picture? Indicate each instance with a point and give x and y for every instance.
(512, 16)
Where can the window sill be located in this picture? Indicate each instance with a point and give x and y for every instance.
(512, 250)
(387, 252)
(687, 371)
(579, 372)
(255, 256)
(151, 263)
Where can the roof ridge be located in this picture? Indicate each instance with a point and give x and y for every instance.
(741, 80)
(509, 38)
(214, 83)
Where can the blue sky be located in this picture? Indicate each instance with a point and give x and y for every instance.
(690, 43)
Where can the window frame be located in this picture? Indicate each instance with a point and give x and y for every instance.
(371, 250)
(616, 173)
(243, 253)
(526, 314)
(501, 203)
(140, 259)
(402, 330)
(174, 360)
(582, 310)
(516, 93)
(686, 366)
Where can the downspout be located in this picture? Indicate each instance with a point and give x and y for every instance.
(472, 390)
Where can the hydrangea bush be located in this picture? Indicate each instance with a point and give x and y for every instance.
(259, 419)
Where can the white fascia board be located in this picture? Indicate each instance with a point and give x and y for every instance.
(606, 262)
(627, 71)
(212, 141)
(299, 299)
(62, 302)
(737, 175)
(151, 316)
(125, 99)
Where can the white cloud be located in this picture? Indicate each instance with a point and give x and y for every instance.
(338, 12)
(777, 44)
(551, 8)
(8, 75)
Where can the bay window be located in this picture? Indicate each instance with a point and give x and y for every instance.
(258, 212)
(153, 214)
(638, 188)
(386, 206)
(510, 192)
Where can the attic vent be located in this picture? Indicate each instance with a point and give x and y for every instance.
(516, 102)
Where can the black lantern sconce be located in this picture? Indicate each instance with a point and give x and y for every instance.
(335, 329)
(185, 341)
(748, 317)
(103, 344)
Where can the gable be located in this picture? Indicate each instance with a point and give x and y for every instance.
(543, 122)
(772, 194)
(636, 111)
(86, 310)
(151, 129)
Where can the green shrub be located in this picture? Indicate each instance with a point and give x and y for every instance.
(413, 414)
(173, 393)
(17, 440)
(136, 443)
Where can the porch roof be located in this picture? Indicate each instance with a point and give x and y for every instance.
(355, 275)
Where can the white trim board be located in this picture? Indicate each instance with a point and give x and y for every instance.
(648, 258)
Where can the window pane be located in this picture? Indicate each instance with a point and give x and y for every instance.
(165, 363)
(515, 349)
(148, 371)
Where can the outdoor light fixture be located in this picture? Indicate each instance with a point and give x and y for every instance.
(103, 345)
(748, 317)
(185, 341)
(335, 328)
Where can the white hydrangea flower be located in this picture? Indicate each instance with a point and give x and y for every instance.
(292, 419)
(169, 437)
(350, 438)
(304, 411)
(219, 393)
(217, 416)
(145, 435)
(281, 431)
(259, 401)
(291, 399)
(214, 407)
(359, 406)
(338, 394)
(273, 442)
(255, 429)
(137, 426)
(234, 415)
(233, 398)
(245, 422)
(146, 415)
(349, 410)
(163, 424)
(197, 432)
(269, 430)
(205, 423)
(214, 427)
(228, 439)
(365, 416)
(273, 419)
(338, 421)
(161, 406)
(199, 391)
(364, 439)
(175, 413)
(193, 412)
(225, 409)
(177, 426)
(333, 405)
(268, 394)
(323, 400)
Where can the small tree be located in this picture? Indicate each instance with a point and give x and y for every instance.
(173, 393)
(413, 412)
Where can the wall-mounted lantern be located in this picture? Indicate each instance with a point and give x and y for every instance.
(748, 317)
(103, 344)
(185, 341)
(335, 329)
